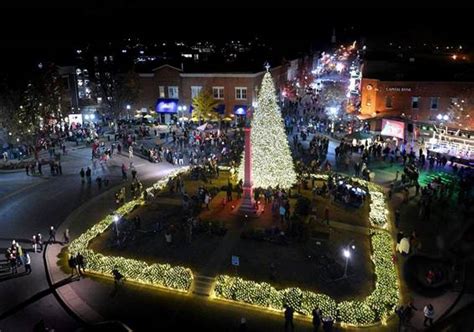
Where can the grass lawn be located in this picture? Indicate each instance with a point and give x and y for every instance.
(210, 254)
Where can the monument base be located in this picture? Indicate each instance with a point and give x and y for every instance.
(248, 209)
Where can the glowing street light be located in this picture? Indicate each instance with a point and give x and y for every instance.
(346, 252)
(116, 220)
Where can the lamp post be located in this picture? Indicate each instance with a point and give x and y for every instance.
(346, 252)
(116, 220)
(180, 110)
(347, 255)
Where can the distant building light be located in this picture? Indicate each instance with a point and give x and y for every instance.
(129, 107)
(78, 51)
(124, 51)
(142, 52)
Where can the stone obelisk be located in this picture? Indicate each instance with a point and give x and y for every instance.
(247, 205)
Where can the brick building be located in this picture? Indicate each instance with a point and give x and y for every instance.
(420, 93)
(236, 91)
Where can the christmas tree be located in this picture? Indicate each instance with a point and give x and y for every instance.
(272, 164)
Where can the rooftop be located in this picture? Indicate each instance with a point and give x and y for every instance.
(419, 67)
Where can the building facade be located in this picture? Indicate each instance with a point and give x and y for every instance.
(234, 91)
(430, 102)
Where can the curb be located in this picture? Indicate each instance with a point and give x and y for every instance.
(65, 294)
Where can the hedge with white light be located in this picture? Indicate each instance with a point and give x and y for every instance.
(376, 307)
(163, 275)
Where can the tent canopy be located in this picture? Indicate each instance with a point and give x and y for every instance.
(202, 127)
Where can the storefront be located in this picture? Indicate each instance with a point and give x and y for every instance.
(166, 108)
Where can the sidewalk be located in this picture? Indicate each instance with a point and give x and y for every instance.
(42, 155)
(79, 221)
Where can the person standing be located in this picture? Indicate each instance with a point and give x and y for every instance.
(326, 216)
(82, 174)
(316, 319)
(39, 168)
(66, 235)
(27, 169)
(243, 325)
(428, 312)
(20, 257)
(289, 318)
(72, 262)
(88, 175)
(52, 235)
(80, 264)
(130, 152)
(39, 241)
(207, 200)
(124, 172)
(27, 263)
(229, 191)
(282, 213)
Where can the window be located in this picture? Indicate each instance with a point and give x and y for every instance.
(434, 103)
(388, 102)
(240, 93)
(162, 91)
(173, 92)
(195, 90)
(415, 102)
(218, 92)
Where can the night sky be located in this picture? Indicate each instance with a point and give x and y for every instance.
(32, 35)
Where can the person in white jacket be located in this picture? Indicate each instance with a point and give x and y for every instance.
(429, 313)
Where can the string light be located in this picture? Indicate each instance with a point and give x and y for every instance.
(162, 275)
(272, 163)
(376, 307)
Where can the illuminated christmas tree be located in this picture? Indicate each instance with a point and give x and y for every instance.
(272, 164)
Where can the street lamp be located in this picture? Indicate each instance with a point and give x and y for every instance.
(346, 252)
(116, 220)
(347, 255)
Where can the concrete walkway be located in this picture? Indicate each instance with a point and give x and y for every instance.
(79, 221)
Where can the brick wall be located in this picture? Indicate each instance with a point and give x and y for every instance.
(376, 97)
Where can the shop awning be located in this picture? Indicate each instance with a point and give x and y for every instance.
(240, 109)
(167, 106)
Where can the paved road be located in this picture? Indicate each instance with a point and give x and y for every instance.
(31, 204)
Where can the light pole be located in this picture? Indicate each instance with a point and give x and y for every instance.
(346, 252)
(347, 255)
(116, 220)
